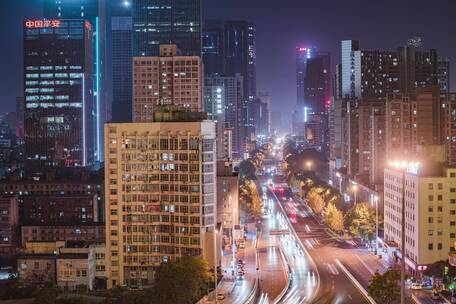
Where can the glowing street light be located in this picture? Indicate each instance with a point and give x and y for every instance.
(309, 165)
(340, 181)
(376, 223)
(355, 191)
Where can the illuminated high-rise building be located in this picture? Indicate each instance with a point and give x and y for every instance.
(160, 197)
(95, 12)
(58, 80)
(376, 73)
(302, 55)
(223, 101)
(443, 75)
(168, 79)
(158, 22)
(317, 82)
(313, 85)
(122, 61)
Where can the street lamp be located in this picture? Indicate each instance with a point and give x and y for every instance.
(233, 245)
(355, 190)
(376, 223)
(309, 165)
(412, 167)
(340, 181)
(215, 263)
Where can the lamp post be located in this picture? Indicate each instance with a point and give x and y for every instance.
(355, 190)
(215, 264)
(340, 182)
(233, 243)
(376, 224)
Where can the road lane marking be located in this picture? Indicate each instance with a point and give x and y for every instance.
(371, 271)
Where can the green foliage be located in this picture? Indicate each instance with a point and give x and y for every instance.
(360, 221)
(247, 170)
(184, 281)
(47, 295)
(334, 218)
(438, 269)
(385, 288)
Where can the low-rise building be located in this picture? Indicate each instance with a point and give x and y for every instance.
(59, 209)
(429, 193)
(71, 265)
(36, 268)
(9, 220)
(90, 232)
(75, 271)
(227, 199)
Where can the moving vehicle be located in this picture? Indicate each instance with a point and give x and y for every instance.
(416, 286)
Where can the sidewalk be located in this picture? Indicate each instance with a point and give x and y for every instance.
(238, 290)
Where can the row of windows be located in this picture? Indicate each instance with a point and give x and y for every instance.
(30, 83)
(50, 67)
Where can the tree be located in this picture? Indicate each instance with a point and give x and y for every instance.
(250, 198)
(315, 200)
(360, 221)
(438, 269)
(334, 217)
(384, 288)
(247, 170)
(183, 281)
(47, 295)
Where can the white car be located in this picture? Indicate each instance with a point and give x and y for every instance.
(416, 286)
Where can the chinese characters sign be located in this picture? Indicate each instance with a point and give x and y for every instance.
(42, 23)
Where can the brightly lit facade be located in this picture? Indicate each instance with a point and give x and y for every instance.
(160, 196)
(430, 214)
(167, 79)
(95, 12)
(58, 78)
(224, 101)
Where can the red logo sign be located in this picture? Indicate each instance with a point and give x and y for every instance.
(42, 23)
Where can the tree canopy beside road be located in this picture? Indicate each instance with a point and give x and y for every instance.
(324, 200)
(360, 221)
(385, 288)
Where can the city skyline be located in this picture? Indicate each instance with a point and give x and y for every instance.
(315, 26)
(191, 151)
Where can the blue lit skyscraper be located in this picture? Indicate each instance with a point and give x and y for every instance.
(158, 22)
(95, 12)
(58, 79)
(122, 91)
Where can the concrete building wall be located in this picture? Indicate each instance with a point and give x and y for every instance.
(160, 194)
(164, 80)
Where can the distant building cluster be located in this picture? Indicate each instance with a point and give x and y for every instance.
(116, 163)
(389, 108)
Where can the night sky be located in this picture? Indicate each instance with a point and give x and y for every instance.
(281, 25)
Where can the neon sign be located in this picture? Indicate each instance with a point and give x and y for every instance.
(42, 23)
